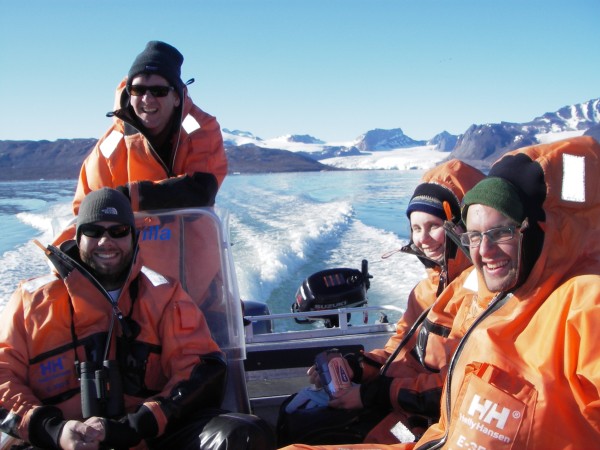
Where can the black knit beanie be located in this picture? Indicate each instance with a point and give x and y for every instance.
(430, 198)
(105, 204)
(159, 58)
(528, 177)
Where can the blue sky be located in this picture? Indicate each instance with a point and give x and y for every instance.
(333, 69)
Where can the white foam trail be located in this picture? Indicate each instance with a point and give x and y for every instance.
(265, 255)
(28, 260)
(393, 277)
(22, 263)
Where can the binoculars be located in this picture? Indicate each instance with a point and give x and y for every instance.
(101, 390)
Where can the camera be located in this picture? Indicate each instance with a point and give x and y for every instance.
(101, 390)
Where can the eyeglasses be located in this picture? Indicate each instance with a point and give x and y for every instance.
(157, 91)
(97, 231)
(496, 235)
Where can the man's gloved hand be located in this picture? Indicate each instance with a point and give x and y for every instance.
(124, 189)
(179, 192)
(128, 431)
(119, 434)
(184, 191)
(45, 426)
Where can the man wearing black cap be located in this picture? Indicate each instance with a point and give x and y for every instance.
(158, 135)
(106, 351)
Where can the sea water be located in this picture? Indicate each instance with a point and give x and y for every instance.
(283, 228)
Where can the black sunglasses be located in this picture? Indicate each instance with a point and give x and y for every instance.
(97, 231)
(157, 91)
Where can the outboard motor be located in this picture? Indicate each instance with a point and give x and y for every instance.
(332, 289)
(255, 308)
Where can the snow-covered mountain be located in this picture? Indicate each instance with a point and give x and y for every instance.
(444, 141)
(479, 145)
(483, 144)
(375, 149)
(392, 149)
(239, 137)
(371, 141)
(569, 118)
(380, 140)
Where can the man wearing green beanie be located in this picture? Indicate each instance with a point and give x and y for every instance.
(525, 373)
(494, 216)
(510, 200)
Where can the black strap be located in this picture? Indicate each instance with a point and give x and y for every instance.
(404, 341)
(74, 337)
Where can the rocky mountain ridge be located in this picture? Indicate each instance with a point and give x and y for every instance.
(481, 145)
(50, 160)
(62, 159)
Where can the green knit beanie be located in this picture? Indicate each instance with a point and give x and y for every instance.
(496, 193)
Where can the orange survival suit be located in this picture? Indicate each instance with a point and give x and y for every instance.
(403, 381)
(457, 177)
(124, 155)
(527, 373)
(413, 378)
(169, 362)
